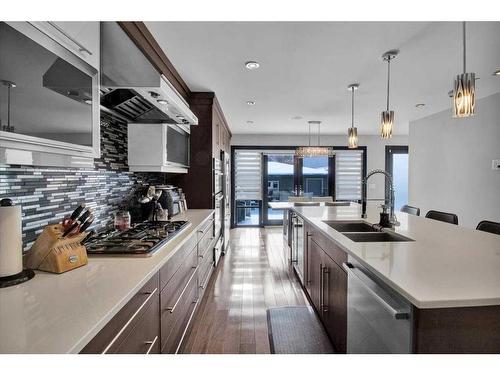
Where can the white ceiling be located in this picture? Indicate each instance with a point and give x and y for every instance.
(306, 67)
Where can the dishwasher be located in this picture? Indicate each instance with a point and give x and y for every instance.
(378, 319)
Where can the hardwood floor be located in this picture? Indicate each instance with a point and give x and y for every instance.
(252, 277)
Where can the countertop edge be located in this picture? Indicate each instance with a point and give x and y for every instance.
(76, 349)
(437, 304)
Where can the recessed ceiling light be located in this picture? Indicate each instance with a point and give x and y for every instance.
(420, 105)
(252, 65)
(297, 118)
(162, 101)
(250, 102)
(250, 122)
(497, 73)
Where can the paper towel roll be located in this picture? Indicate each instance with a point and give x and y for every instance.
(11, 247)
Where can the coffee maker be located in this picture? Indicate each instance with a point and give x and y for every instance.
(159, 197)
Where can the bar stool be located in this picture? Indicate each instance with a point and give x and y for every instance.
(489, 226)
(410, 210)
(442, 216)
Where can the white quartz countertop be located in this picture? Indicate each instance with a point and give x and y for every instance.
(62, 313)
(445, 266)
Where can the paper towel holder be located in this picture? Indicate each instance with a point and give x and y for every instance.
(20, 277)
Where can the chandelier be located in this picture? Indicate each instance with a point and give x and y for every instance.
(308, 151)
(464, 88)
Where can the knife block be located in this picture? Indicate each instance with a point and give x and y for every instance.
(53, 253)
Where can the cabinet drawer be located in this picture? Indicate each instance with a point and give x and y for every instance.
(328, 246)
(173, 264)
(205, 271)
(205, 229)
(176, 314)
(112, 335)
(144, 337)
(205, 245)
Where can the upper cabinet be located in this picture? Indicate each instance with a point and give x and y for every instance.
(81, 38)
(49, 98)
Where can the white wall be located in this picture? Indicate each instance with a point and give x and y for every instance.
(451, 163)
(375, 150)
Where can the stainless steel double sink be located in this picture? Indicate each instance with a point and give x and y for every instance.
(361, 231)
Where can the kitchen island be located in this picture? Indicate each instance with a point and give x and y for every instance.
(450, 275)
(63, 313)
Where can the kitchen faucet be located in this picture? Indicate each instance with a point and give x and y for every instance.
(393, 221)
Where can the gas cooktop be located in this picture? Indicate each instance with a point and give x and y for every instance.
(144, 238)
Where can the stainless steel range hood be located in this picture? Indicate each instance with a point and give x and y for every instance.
(132, 87)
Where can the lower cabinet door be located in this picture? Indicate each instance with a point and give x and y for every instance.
(334, 297)
(313, 273)
(144, 337)
(176, 315)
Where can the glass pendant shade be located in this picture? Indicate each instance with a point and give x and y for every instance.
(464, 88)
(464, 95)
(386, 124)
(352, 137)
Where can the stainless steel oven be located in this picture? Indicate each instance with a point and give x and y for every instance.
(219, 212)
(217, 176)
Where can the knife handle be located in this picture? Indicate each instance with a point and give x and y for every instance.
(77, 212)
(84, 216)
(70, 229)
(87, 224)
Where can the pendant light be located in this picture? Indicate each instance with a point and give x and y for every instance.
(387, 118)
(464, 88)
(352, 132)
(311, 151)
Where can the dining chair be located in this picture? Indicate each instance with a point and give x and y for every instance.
(489, 226)
(410, 210)
(442, 216)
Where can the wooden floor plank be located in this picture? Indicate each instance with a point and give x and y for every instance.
(252, 277)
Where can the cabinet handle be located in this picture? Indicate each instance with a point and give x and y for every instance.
(81, 47)
(327, 272)
(129, 321)
(151, 344)
(204, 285)
(172, 309)
(321, 287)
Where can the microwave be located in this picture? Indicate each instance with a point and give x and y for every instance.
(158, 147)
(49, 100)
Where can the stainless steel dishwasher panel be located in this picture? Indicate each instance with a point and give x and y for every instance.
(378, 320)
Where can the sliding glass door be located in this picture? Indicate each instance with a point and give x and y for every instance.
(315, 176)
(279, 183)
(263, 176)
(396, 164)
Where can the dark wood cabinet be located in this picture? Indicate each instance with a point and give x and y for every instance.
(334, 298)
(208, 138)
(314, 256)
(326, 284)
(157, 318)
(134, 328)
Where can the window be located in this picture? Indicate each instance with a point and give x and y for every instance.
(348, 174)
